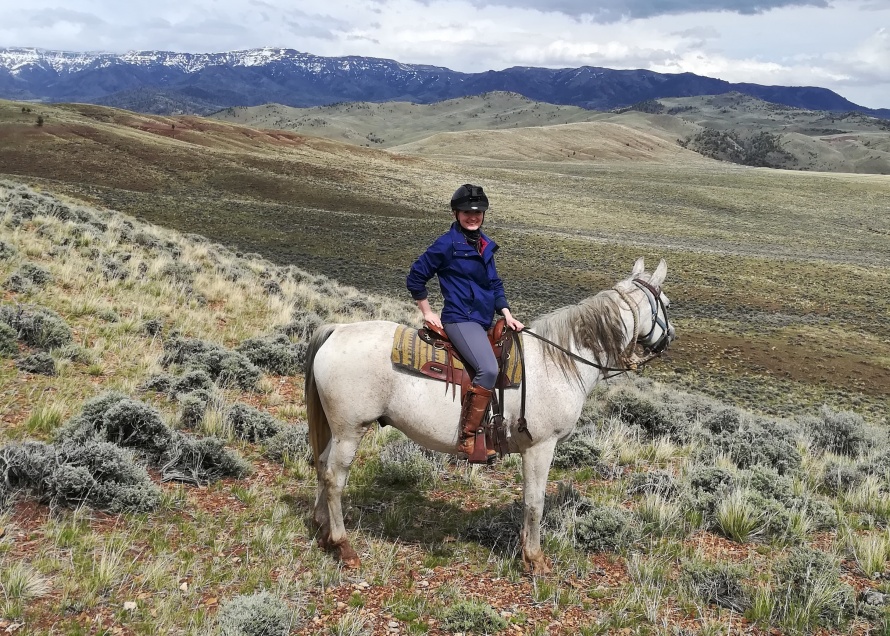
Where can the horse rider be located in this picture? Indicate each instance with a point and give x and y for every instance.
(463, 261)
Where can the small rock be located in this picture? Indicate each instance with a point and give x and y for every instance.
(184, 587)
(129, 606)
(873, 597)
(392, 624)
(423, 584)
(341, 605)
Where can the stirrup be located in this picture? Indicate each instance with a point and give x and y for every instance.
(480, 454)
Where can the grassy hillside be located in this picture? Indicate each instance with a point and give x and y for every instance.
(771, 315)
(393, 123)
(667, 511)
(813, 140)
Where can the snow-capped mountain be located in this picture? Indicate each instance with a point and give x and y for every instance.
(165, 81)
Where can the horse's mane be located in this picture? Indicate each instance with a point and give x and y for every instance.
(595, 324)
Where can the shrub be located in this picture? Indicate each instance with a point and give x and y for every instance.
(9, 347)
(576, 452)
(75, 353)
(809, 591)
(97, 474)
(160, 382)
(563, 507)
(200, 461)
(840, 478)
(708, 485)
(36, 326)
(717, 583)
(303, 324)
(771, 484)
(272, 288)
(258, 614)
(276, 354)
(40, 363)
(192, 408)
(726, 420)
(115, 418)
(472, 616)
(759, 441)
(94, 410)
(177, 272)
(27, 276)
(7, 251)
(191, 380)
(222, 364)
(604, 528)
(290, 443)
(137, 425)
(153, 326)
(114, 268)
(252, 424)
(404, 463)
(822, 514)
(838, 432)
(655, 419)
(496, 527)
(657, 482)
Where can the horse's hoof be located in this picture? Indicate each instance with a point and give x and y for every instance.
(348, 556)
(537, 566)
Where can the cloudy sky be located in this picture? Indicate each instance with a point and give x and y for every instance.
(843, 45)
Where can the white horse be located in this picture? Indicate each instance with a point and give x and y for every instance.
(351, 383)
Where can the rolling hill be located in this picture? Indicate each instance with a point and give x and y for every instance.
(812, 140)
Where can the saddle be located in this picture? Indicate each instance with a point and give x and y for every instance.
(429, 352)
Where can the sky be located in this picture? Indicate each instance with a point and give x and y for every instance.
(843, 45)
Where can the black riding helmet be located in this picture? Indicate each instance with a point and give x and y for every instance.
(468, 198)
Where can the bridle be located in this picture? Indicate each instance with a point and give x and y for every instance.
(656, 303)
(652, 347)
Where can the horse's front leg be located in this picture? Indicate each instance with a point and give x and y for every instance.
(535, 468)
(333, 471)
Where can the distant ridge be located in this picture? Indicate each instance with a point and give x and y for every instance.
(205, 82)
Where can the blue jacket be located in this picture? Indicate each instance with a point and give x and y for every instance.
(469, 281)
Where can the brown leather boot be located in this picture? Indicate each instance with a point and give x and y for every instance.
(475, 402)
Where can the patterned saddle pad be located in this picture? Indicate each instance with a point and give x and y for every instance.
(411, 353)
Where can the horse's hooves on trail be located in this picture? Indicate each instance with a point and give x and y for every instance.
(348, 556)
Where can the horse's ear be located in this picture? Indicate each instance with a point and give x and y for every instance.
(639, 267)
(659, 274)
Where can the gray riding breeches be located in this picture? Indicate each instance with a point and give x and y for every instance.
(471, 341)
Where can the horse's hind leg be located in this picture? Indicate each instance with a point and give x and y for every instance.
(333, 469)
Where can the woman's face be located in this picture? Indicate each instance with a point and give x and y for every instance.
(470, 219)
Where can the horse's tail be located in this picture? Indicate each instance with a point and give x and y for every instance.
(319, 429)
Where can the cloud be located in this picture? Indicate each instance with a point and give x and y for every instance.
(614, 10)
(49, 19)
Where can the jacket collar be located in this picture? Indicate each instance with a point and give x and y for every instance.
(458, 237)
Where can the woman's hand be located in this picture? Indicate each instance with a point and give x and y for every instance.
(511, 322)
(433, 318)
(428, 314)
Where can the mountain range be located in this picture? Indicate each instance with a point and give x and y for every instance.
(164, 82)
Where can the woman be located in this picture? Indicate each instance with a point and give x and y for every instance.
(463, 260)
